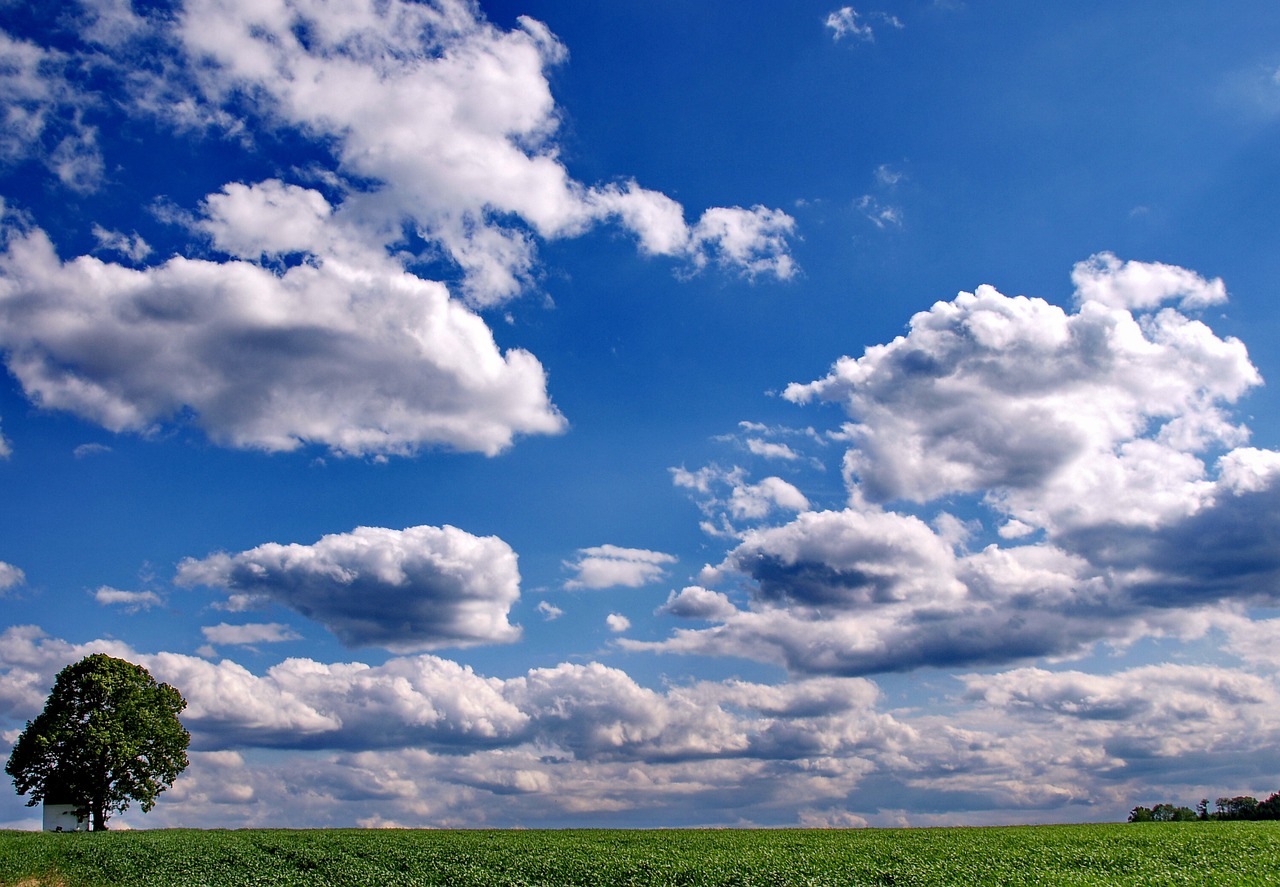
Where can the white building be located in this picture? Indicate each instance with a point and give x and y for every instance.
(60, 812)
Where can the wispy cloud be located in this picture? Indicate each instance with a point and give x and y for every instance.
(882, 215)
(132, 601)
(10, 577)
(608, 566)
(249, 633)
(848, 22)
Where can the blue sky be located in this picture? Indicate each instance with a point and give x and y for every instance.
(552, 414)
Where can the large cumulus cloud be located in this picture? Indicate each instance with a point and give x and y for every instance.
(1093, 452)
(360, 358)
(292, 315)
(404, 590)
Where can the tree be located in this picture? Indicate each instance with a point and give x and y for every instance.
(109, 734)
(1239, 807)
(1141, 814)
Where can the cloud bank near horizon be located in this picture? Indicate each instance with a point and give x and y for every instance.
(425, 739)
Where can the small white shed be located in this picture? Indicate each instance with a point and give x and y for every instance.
(60, 812)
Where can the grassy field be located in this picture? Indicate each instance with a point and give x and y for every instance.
(1119, 854)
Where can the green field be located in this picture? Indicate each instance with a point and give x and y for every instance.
(1166, 853)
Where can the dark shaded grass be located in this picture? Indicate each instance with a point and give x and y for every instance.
(1115, 854)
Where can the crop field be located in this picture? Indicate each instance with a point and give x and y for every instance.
(1117, 854)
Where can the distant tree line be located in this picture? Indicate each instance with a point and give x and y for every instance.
(1241, 807)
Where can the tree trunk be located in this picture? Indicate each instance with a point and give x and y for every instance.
(99, 810)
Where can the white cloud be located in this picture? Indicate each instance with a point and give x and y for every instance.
(608, 566)
(90, 449)
(249, 633)
(846, 22)
(887, 176)
(456, 121)
(424, 741)
(442, 127)
(1170, 717)
(42, 112)
(1011, 394)
(770, 450)
(753, 241)
(617, 622)
(27, 91)
(1082, 438)
(10, 577)
(549, 611)
(740, 501)
(1141, 286)
(133, 601)
(6, 449)
(882, 215)
(362, 359)
(404, 590)
(696, 602)
(753, 501)
(270, 218)
(77, 161)
(110, 23)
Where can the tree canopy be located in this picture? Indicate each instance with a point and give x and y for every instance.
(1239, 807)
(109, 734)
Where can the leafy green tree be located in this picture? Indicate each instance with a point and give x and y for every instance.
(1141, 814)
(109, 734)
(1239, 807)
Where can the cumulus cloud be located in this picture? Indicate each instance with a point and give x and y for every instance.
(608, 566)
(1143, 285)
(696, 602)
(6, 449)
(1083, 440)
(443, 135)
(590, 710)
(269, 218)
(10, 577)
(991, 392)
(422, 740)
(753, 241)
(361, 359)
(757, 500)
(1188, 722)
(727, 499)
(455, 120)
(133, 601)
(617, 622)
(404, 590)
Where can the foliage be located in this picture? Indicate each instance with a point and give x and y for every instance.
(1232, 853)
(109, 734)
(1241, 807)
(1163, 813)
